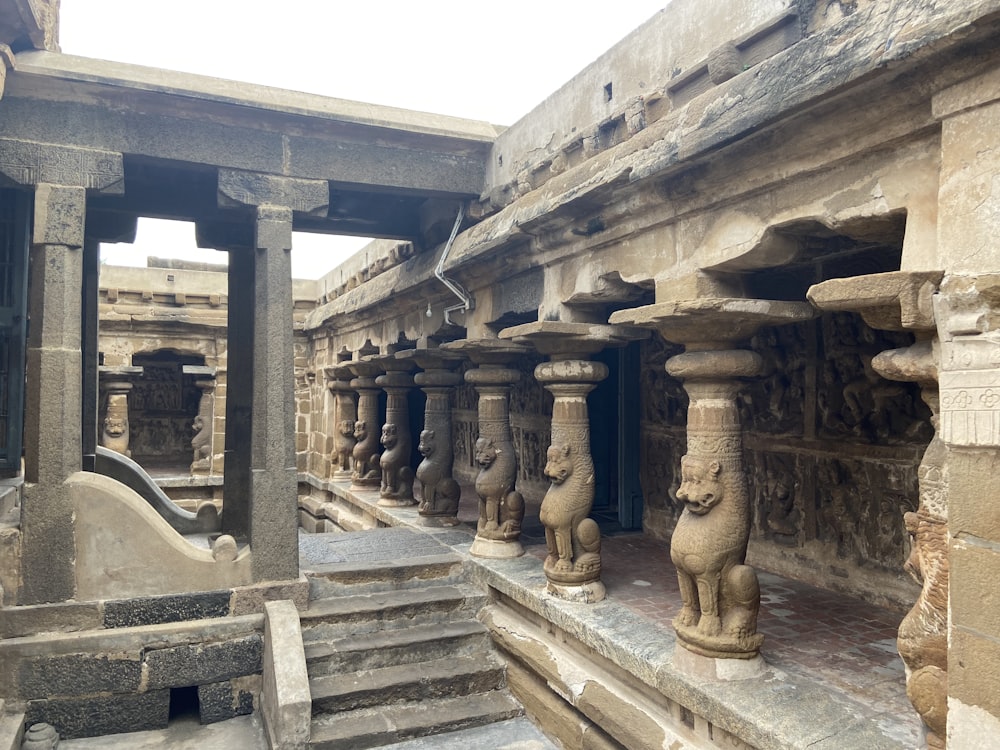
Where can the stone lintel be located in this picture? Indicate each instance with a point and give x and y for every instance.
(975, 92)
(201, 371)
(894, 301)
(564, 340)
(488, 351)
(714, 322)
(240, 188)
(33, 163)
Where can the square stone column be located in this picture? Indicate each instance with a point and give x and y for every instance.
(271, 518)
(53, 425)
(967, 312)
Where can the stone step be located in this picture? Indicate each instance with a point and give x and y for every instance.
(338, 579)
(402, 646)
(327, 619)
(513, 734)
(416, 681)
(374, 727)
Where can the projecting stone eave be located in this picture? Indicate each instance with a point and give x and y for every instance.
(860, 49)
(72, 70)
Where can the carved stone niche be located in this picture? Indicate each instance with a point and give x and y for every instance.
(439, 494)
(896, 301)
(501, 506)
(573, 565)
(720, 593)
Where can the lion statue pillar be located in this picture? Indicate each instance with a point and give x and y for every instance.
(365, 469)
(203, 426)
(720, 593)
(345, 414)
(396, 488)
(439, 492)
(115, 430)
(573, 565)
(501, 506)
(904, 301)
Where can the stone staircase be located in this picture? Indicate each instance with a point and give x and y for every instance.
(395, 654)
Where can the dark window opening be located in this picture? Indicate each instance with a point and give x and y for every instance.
(184, 702)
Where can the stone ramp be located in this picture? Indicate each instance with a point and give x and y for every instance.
(393, 648)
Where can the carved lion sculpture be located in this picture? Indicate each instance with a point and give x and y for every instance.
(720, 595)
(343, 445)
(439, 492)
(501, 508)
(397, 476)
(573, 539)
(364, 460)
(923, 633)
(115, 435)
(201, 444)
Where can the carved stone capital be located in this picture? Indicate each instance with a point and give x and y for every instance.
(32, 163)
(713, 323)
(239, 188)
(894, 301)
(561, 340)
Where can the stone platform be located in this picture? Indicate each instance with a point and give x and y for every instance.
(832, 671)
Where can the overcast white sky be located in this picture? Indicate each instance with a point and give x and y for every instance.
(485, 61)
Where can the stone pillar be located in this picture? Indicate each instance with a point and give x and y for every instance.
(204, 428)
(501, 507)
(61, 177)
(273, 502)
(52, 424)
(345, 415)
(573, 564)
(439, 492)
(720, 594)
(396, 488)
(366, 472)
(903, 301)
(115, 426)
(967, 312)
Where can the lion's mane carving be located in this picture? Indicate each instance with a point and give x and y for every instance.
(439, 492)
(573, 539)
(501, 508)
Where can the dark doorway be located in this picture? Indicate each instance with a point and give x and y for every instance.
(614, 441)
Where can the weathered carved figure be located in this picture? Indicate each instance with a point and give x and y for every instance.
(364, 460)
(501, 508)
(720, 595)
(343, 445)
(573, 539)
(201, 444)
(440, 493)
(115, 435)
(923, 633)
(397, 476)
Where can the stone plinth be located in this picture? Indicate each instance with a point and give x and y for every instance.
(439, 492)
(720, 594)
(501, 507)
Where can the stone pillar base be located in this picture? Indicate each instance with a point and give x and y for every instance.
(438, 522)
(722, 646)
(341, 476)
(717, 670)
(496, 549)
(584, 593)
(395, 502)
